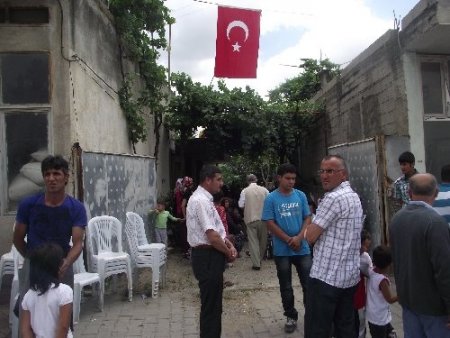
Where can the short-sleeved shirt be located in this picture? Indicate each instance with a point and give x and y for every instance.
(288, 212)
(401, 189)
(50, 224)
(337, 250)
(378, 311)
(44, 309)
(201, 215)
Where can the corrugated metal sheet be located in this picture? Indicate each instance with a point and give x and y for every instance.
(362, 161)
(114, 184)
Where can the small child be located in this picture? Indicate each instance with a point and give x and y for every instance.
(47, 305)
(379, 295)
(359, 300)
(162, 215)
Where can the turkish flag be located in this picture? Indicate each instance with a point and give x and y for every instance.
(237, 42)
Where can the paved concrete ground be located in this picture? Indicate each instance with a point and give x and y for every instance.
(252, 306)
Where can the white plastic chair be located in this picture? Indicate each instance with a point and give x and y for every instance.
(81, 279)
(143, 254)
(15, 292)
(106, 256)
(6, 266)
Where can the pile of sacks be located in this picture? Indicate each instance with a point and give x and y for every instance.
(29, 180)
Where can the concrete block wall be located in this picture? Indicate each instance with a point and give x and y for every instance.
(369, 98)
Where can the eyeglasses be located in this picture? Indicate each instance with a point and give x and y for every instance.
(328, 171)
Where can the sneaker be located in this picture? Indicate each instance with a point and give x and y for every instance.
(290, 326)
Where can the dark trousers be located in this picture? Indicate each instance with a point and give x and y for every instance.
(327, 305)
(208, 266)
(184, 245)
(284, 272)
(380, 331)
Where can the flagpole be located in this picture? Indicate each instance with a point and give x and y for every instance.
(212, 79)
(169, 47)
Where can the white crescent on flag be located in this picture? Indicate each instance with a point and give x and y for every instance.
(237, 23)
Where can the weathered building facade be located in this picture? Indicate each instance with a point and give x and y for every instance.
(60, 71)
(392, 98)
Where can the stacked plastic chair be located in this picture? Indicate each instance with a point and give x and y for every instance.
(15, 292)
(143, 254)
(6, 265)
(105, 253)
(82, 279)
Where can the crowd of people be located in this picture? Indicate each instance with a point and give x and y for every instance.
(174, 225)
(343, 286)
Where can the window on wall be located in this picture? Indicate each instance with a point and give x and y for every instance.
(435, 73)
(24, 15)
(24, 111)
(24, 78)
(27, 145)
(2, 15)
(28, 15)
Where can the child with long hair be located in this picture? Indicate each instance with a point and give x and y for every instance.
(47, 306)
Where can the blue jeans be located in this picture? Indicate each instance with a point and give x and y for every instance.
(327, 305)
(422, 326)
(284, 272)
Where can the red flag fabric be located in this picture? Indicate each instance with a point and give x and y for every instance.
(237, 42)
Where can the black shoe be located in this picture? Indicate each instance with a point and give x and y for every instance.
(290, 326)
(256, 268)
(392, 334)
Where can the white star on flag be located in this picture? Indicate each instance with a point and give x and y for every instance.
(236, 47)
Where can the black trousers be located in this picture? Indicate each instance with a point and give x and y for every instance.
(380, 331)
(208, 266)
(327, 305)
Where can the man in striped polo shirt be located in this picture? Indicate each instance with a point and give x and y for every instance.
(442, 202)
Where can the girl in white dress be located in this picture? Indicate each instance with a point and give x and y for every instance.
(47, 306)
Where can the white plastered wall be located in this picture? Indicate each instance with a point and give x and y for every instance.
(415, 108)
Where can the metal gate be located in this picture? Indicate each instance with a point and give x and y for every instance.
(363, 161)
(112, 184)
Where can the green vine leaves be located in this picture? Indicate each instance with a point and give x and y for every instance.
(140, 25)
(240, 122)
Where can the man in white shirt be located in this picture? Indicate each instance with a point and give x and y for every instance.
(252, 201)
(210, 249)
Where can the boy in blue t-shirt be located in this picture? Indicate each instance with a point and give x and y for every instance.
(287, 213)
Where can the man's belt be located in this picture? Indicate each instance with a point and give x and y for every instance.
(203, 246)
